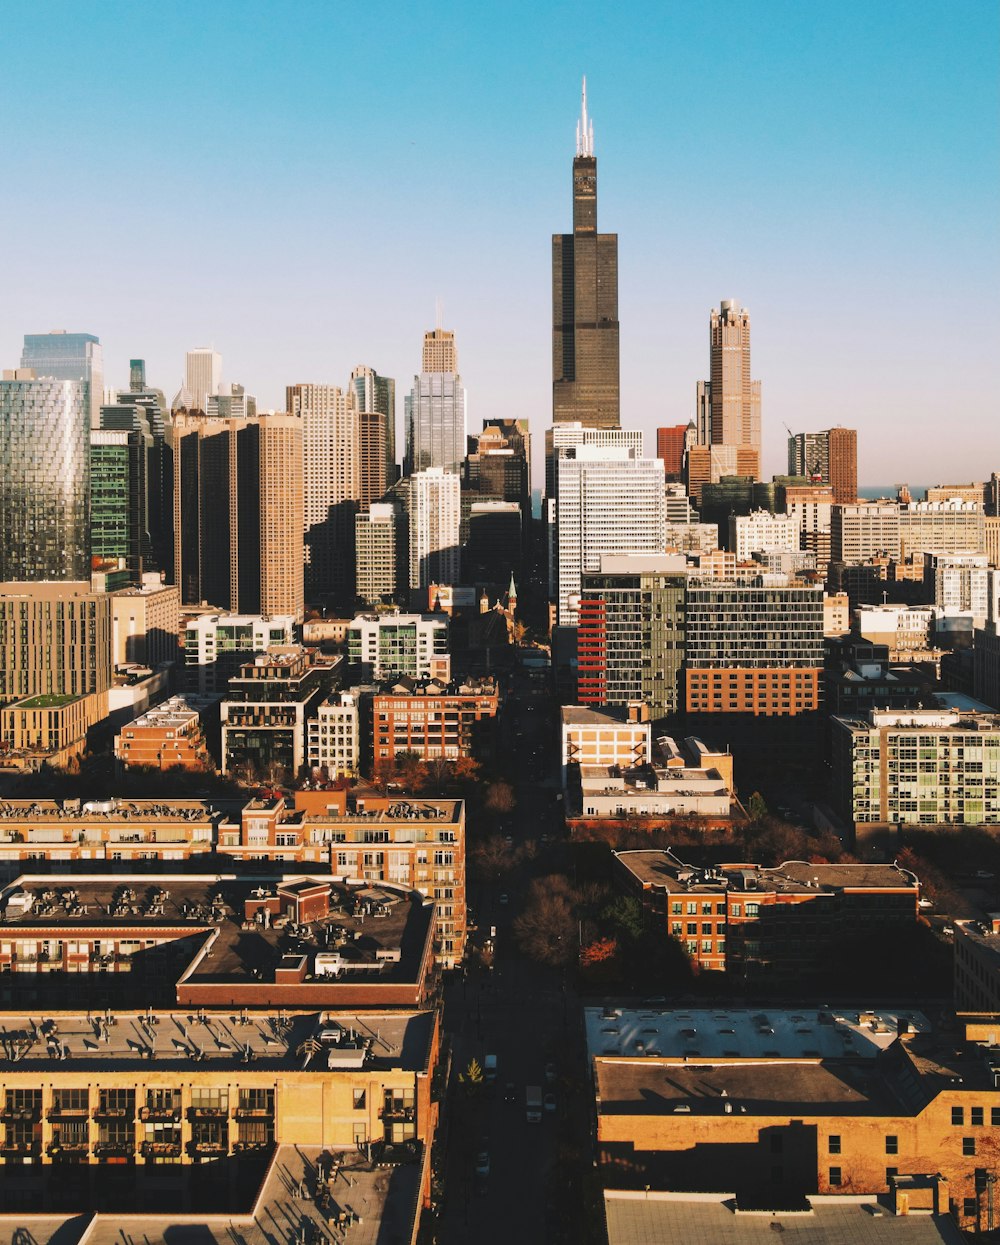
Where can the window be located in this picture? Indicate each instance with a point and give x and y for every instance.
(892, 1145)
(958, 1115)
(753, 909)
(969, 1146)
(834, 1177)
(977, 1116)
(890, 1175)
(969, 1207)
(834, 1144)
(995, 1116)
(359, 1099)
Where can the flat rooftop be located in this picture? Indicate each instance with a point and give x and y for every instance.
(795, 877)
(744, 1033)
(638, 1219)
(285, 1041)
(581, 715)
(113, 809)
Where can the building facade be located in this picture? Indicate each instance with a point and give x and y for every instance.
(55, 640)
(381, 558)
(387, 646)
(434, 522)
(830, 458)
(435, 414)
(434, 719)
(216, 645)
(333, 736)
(864, 530)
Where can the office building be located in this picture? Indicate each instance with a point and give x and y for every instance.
(333, 737)
(585, 363)
(388, 646)
(44, 478)
(68, 356)
(440, 353)
(434, 719)
(753, 646)
(435, 413)
(377, 395)
(216, 645)
(671, 445)
(960, 581)
(493, 552)
(434, 514)
(118, 530)
(55, 640)
(630, 642)
(762, 532)
(202, 377)
(561, 439)
(609, 502)
(380, 548)
(917, 767)
(264, 715)
(143, 410)
(372, 454)
(728, 404)
(954, 526)
(231, 402)
(830, 458)
(238, 507)
(863, 531)
(603, 738)
(145, 623)
(991, 537)
(498, 462)
(812, 505)
(331, 440)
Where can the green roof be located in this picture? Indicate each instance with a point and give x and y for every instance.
(45, 702)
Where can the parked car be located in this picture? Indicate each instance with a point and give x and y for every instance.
(549, 1102)
(550, 1072)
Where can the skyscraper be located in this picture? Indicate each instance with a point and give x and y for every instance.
(733, 398)
(434, 507)
(238, 513)
(68, 356)
(435, 422)
(378, 393)
(670, 446)
(440, 354)
(331, 442)
(44, 478)
(585, 384)
(202, 375)
(829, 457)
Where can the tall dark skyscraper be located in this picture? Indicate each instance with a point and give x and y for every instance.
(585, 302)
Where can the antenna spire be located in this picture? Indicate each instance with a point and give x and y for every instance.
(584, 127)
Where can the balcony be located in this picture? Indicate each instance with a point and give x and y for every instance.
(21, 1113)
(57, 1148)
(160, 1115)
(209, 1113)
(114, 1149)
(22, 1149)
(161, 1149)
(209, 1147)
(245, 1147)
(68, 1113)
(111, 1113)
(255, 1113)
(398, 1115)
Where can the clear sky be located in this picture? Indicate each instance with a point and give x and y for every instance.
(296, 184)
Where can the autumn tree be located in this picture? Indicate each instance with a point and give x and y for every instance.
(547, 930)
(500, 798)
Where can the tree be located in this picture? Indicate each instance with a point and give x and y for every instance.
(757, 808)
(624, 915)
(500, 797)
(546, 930)
(472, 1077)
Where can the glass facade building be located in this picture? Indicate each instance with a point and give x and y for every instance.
(44, 480)
(68, 356)
(435, 422)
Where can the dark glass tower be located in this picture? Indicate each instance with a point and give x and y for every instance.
(585, 303)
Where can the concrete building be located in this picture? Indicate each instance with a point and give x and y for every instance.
(265, 711)
(145, 623)
(609, 502)
(829, 458)
(954, 526)
(604, 738)
(864, 530)
(173, 733)
(753, 646)
(630, 642)
(733, 399)
(238, 506)
(381, 554)
(202, 376)
(712, 464)
(749, 921)
(493, 552)
(585, 363)
(377, 395)
(433, 719)
(977, 966)
(779, 1105)
(55, 640)
(388, 646)
(836, 614)
(986, 649)
(331, 446)
(216, 645)
(562, 438)
(919, 767)
(904, 630)
(333, 736)
(763, 532)
(231, 402)
(960, 581)
(434, 520)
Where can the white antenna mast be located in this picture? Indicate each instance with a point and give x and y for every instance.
(584, 127)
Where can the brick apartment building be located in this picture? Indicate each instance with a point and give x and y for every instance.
(432, 718)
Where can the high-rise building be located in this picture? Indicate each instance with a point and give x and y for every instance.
(761, 531)
(387, 646)
(864, 530)
(630, 642)
(118, 500)
(434, 509)
(493, 551)
(68, 356)
(585, 360)
(609, 501)
(435, 422)
(373, 480)
(331, 444)
(378, 393)
(144, 410)
(959, 582)
(499, 461)
(44, 478)
(942, 526)
(238, 513)
(381, 564)
(202, 376)
(671, 444)
(55, 640)
(561, 438)
(440, 354)
(829, 457)
(231, 402)
(728, 408)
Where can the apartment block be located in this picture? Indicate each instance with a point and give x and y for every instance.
(604, 738)
(145, 624)
(216, 645)
(380, 549)
(864, 530)
(171, 734)
(761, 531)
(434, 719)
(265, 711)
(333, 736)
(55, 640)
(943, 527)
(388, 646)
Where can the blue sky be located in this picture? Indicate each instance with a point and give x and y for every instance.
(297, 184)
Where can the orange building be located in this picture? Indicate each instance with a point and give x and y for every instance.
(171, 734)
(433, 719)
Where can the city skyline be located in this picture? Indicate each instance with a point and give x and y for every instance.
(871, 209)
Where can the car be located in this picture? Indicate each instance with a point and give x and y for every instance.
(925, 903)
(510, 1092)
(549, 1102)
(504, 899)
(509, 840)
(550, 1072)
(483, 1160)
(947, 929)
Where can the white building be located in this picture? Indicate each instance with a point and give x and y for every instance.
(562, 439)
(216, 645)
(332, 736)
(435, 413)
(610, 500)
(864, 531)
(904, 628)
(435, 510)
(762, 532)
(202, 375)
(961, 582)
(954, 526)
(379, 548)
(390, 645)
(604, 738)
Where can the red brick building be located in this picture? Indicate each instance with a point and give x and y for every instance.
(434, 719)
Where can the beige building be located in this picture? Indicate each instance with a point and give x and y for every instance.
(836, 614)
(145, 623)
(605, 738)
(49, 728)
(440, 354)
(731, 397)
(991, 538)
(863, 531)
(953, 526)
(55, 640)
